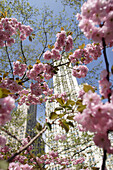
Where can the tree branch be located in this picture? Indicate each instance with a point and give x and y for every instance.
(26, 146)
(13, 136)
(45, 39)
(9, 60)
(107, 68)
(23, 52)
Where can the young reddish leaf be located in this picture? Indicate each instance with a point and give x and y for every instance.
(4, 93)
(49, 46)
(38, 61)
(81, 46)
(62, 29)
(30, 67)
(30, 38)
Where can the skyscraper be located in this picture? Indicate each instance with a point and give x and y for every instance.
(63, 82)
(77, 144)
(23, 122)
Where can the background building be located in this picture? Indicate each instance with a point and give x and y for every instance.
(76, 142)
(23, 124)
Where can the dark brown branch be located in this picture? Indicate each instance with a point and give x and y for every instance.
(23, 52)
(104, 160)
(9, 60)
(62, 64)
(45, 33)
(81, 150)
(8, 133)
(107, 68)
(105, 57)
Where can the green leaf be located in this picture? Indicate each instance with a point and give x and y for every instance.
(61, 115)
(70, 117)
(38, 126)
(65, 126)
(4, 93)
(80, 108)
(1, 93)
(5, 74)
(112, 69)
(78, 102)
(86, 88)
(70, 102)
(48, 125)
(58, 108)
(69, 107)
(60, 101)
(53, 115)
(3, 165)
(70, 123)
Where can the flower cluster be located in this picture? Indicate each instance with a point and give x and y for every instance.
(40, 71)
(86, 55)
(7, 104)
(61, 137)
(19, 69)
(104, 85)
(54, 54)
(97, 117)
(94, 22)
(79, 71)
(10, 27)
(53, 157)
(61, 42)
(11, 85)
(16, 165)
(2, 140)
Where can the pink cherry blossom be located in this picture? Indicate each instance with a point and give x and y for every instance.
(2, 140)
(80, 71)
(102, 140)
(7, 104)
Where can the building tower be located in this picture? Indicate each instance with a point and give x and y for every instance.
(63, 81)
(23, 122)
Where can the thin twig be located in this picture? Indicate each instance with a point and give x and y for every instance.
(8, 133)
(23, 52)
(45, 39)
(81, 150)
(9, 60)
